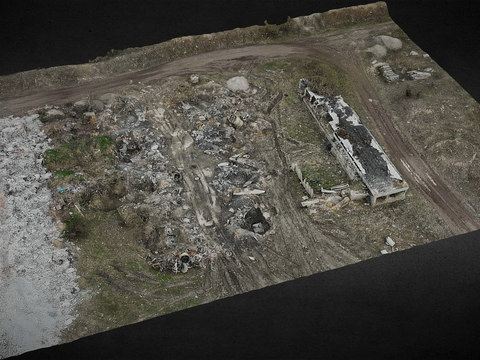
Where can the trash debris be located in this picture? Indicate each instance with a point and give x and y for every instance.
(61, 190)
(340, 187)
(418, 75)
(239, 192)
(389, 241)
(310, 202)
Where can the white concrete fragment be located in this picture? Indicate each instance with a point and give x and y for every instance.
(248, 192)
(389, 241)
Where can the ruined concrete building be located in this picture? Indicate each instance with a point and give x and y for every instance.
(354, 146)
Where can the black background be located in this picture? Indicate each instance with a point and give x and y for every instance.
(417, 304)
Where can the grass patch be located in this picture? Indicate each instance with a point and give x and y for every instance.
(63, 174)
(104, 142)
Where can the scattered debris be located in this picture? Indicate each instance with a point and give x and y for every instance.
(389, 241)
(418, 75)
(240, 192)
(387, 72)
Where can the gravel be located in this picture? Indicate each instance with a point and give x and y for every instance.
(38, 288)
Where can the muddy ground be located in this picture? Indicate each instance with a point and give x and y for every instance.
(174, 184)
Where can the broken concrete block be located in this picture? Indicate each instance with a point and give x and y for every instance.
(384, 252)
(310, 202)
(418, 75)
(389, 241)
(239, 192)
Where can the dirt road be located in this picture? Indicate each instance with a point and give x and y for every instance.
(339, 49)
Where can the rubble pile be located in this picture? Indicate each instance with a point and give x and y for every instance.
(38, 288)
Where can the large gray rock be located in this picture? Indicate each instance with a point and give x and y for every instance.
(378, 51)
(238, 83)
(98, 106)
(388, 42)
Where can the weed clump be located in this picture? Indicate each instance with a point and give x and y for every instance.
(75, 226)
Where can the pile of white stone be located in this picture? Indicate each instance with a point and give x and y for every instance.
(38, 288)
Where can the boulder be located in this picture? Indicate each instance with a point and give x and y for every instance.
(237, 83)
(97, 106)
(377, 50)
(388, 42)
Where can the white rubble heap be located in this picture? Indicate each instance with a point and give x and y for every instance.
(38, 288)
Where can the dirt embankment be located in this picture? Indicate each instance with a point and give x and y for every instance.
(135, 59)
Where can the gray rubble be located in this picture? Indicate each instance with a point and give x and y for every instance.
(38, 288)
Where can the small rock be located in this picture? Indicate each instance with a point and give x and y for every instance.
(194, 79)
(154, 147)
(413, 53)
(426, 56)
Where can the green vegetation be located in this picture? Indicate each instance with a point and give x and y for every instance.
(322, 176)
(89, 155)
(75, 226)
(63, 174)
(105, 143)
(126, 289)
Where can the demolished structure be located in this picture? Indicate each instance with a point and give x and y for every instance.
(354, 146)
